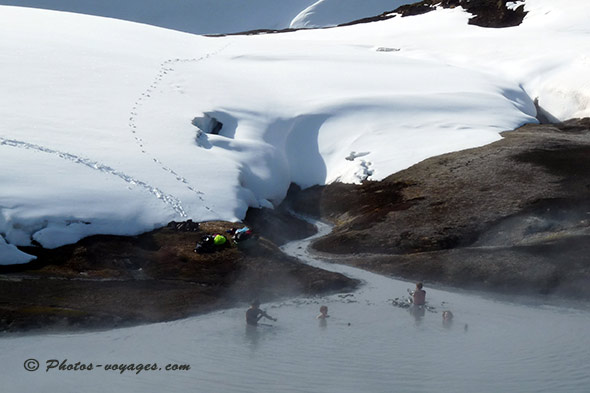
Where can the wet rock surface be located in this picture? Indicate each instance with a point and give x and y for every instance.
(512, 216)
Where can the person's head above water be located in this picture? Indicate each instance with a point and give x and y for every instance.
(447, 315)
(323, 312)
(255, 303)
(419, 285)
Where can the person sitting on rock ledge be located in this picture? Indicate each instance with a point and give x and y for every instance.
(254, 314)
(419, 295)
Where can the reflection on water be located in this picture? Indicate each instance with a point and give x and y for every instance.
(366, 345)
(418, 312)
(252, 336)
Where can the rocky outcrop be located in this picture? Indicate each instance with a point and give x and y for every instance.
(493, 13)
(512, 216)
(486, 13)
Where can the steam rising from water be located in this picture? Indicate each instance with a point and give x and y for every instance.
(367, 345)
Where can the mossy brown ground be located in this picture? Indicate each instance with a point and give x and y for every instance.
(109, 281)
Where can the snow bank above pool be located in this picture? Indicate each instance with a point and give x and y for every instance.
(98, 131)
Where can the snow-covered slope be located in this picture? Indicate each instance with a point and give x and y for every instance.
(103, 123)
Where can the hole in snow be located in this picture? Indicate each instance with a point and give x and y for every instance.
(216, 123)
(208, 124)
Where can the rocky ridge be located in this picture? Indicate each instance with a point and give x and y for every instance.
(512, 216)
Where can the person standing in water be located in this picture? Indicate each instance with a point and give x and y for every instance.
(254, 314)
(323, 316)
(419, 295)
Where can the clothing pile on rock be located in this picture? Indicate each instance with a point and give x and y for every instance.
(242, 234)
(211, 243)
(186, 226)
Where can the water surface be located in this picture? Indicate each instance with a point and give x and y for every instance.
(366, 345)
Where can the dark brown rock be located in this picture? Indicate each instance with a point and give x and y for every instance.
(486, 13)
(512, 216)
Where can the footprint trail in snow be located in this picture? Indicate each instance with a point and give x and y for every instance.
(166, 68)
